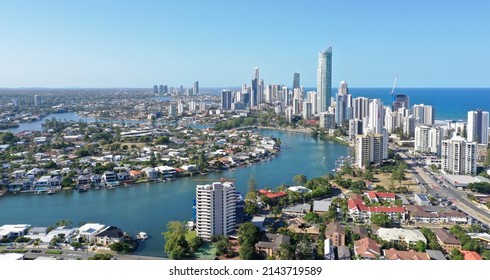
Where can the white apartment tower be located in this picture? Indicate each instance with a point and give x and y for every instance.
(458, 156)
(215, 209)
(369, 149)
(428, 139)
(478, 126)
(423, 114)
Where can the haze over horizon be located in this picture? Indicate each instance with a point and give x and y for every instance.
(93, 44)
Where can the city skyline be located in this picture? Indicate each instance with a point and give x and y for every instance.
(133, 45)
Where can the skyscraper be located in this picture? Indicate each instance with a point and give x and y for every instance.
(255, 88)
(341, 103)
(160, 89)
(196, 88)
(376, 116)
(37, 100)
(215, 209)
(324, 80)
(155, 88)
(401, 101)
(226, 99)
(478, 126)
(296, 82)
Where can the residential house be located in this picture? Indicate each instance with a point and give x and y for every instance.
(83, 180)
(393, 254)
(90, 230)
(435, 215)
(109, 177)
(299, 225)
(109, 235)
(23, 184)
(367, 249)
(151, 173)
(13, 231)
(271, 245)
(95, 179)
(336, 233)
(274, 196)
(435, 255)
(298, 210)
(361, 231)
(471, 256)
(321, 206)
(123, 176)
(404, 237)
(135, 174)
(447, 241)
(343, 253)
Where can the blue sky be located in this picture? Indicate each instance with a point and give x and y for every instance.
(141, 43)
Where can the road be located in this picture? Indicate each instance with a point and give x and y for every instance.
(438, 187)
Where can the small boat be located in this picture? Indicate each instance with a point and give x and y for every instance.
(50, 192)
(142, 235)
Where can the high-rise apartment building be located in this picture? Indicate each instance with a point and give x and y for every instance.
(401, 101)
(478, 126)
(428, 139)
(376, 116)
(458, 156)
(254, 94)
(423, 114)
(226, 99)
(195, 91)
(341, 103)
(360, 107)
(37, 100)
(215, 209)
(369, 149)
(324, 80)
(296, 81)
(155, 88)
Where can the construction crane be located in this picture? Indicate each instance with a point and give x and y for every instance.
(393, 89)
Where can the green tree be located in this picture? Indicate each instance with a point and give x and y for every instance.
(222, 246)
(312, 217)
(194, 243)
(419, 246)
(300, 180)
(248, 235)
(66, 182)
(252, 189)
(162, 140)
(176, 245)
(380, 219)
(105, 256)
(456, 255)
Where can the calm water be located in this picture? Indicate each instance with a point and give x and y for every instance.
(148, 207)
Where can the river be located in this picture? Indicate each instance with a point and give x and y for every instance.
(148, 207)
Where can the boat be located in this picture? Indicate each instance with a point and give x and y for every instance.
(50, 192)
(142, 235)
(82, 189)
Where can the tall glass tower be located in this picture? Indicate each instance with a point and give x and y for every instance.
(324, 80)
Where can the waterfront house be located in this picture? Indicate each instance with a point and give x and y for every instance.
(90, 230)
(271, 245)
(48, 182)
(273, 196)
(109, 177)
(404, 237)
(336, 233)
(123, 176)
(151, 173)
(83, 180)
(13, 231)
(447, 241)
(109, 235)
(393, 254)
(135, 174)
(367, 249)
(17, 174)
(23, 184)
(166, 171)
(95, 179)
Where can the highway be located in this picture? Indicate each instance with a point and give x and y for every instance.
(439, 188)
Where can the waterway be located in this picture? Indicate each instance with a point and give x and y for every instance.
(148, 207)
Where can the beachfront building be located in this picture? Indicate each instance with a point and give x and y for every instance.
(215, 209)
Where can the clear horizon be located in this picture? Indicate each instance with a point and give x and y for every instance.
(94, 44)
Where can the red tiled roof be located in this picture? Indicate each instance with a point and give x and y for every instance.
(383, 195)
(471, 255)
(367, 248)
(393, 254)
(272, 195)
(359, 204)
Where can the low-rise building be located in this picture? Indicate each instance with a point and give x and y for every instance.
(271, 246)
(404, 237)
(90, 230)
(367, 249)
(336, 233)
(109, 235)
(393, 254)
(447, 241)
(360, 212)
(13, 231)
(421, 199)
(298, 210)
